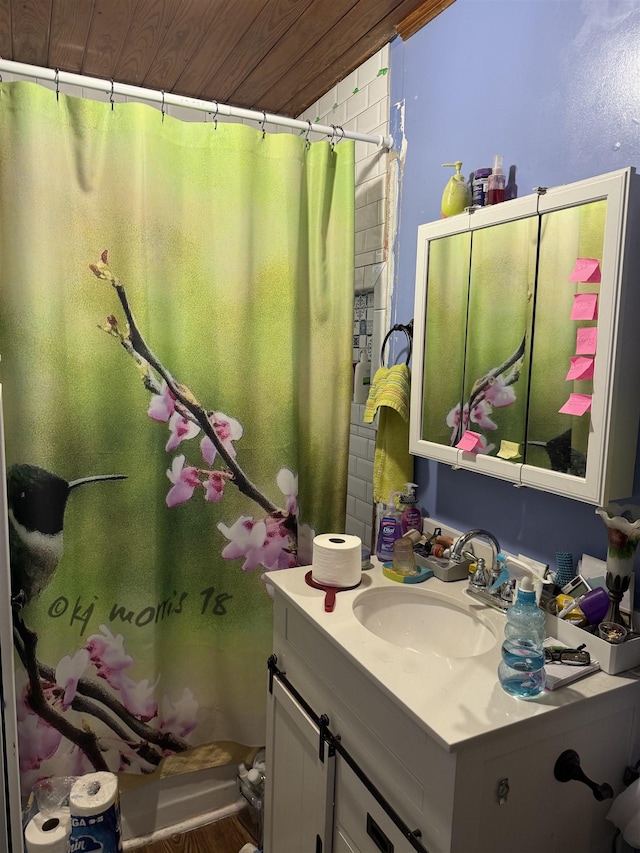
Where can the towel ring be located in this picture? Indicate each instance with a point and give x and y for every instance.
(399, 327)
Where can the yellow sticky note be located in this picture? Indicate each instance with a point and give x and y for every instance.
(509, 450)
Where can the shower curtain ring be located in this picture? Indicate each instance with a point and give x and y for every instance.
(162, 108)
(332, 138)
(307, 143)
(111, 95)
(263, 122)
(57, 81)
(341, 129)
(215, 116)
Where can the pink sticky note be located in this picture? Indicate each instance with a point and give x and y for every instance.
(586, 269)
(469, 441)
(581, 368)
(587, 341)
(577, 404)
(585, 306)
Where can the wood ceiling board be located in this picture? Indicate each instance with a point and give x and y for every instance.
(70, 24)
(107, 34)
(420, 17)
(277, 55)
(149, 25)
(318, 19)
(30, 30)
(335, 53)
(188, 31)
(265, 32)
(218, 45)
(339, 66)
(6, 49)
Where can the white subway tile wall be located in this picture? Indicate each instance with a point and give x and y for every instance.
(360, 103)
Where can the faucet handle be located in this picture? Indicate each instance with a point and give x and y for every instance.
(479, 577)
(463, 555)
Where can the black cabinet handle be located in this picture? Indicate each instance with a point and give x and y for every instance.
(380, 839)
(567, 767)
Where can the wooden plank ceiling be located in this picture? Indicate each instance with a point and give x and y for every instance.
(276, 55)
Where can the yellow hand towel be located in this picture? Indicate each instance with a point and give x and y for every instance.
(392, 462)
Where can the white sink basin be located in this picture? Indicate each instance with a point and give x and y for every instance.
(423, 621)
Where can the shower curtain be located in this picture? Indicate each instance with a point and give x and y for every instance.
(175, 320)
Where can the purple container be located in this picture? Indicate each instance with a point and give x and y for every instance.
(479, 187)
(594, 605)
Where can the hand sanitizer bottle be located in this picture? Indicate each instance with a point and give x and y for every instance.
(411, 516)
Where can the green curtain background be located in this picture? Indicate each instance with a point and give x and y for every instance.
(236, 253)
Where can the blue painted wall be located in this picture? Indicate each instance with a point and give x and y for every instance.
(554, 86)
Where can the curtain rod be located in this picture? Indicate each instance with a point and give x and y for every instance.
(112, 88)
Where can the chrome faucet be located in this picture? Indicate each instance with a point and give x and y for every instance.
(458, 553)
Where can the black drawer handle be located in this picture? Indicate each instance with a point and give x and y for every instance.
(381, 840)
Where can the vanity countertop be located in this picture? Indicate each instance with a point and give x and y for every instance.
(457, 700)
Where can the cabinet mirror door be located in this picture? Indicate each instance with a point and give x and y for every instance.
(555, 441)
(501, 297)
(445, 336)
(506, 297)
(480, 288)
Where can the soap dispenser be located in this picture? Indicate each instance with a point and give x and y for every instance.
(457, 193)
(389, 530)
(411, 516)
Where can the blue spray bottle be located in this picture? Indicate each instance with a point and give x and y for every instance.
(389, 529)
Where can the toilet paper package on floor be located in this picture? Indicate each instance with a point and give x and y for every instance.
(95, 814)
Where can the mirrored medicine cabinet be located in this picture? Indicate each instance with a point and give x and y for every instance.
(526, 362)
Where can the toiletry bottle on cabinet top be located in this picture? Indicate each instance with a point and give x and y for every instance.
(496, 182)
(411, 516)
(479, 187)
(457, 193)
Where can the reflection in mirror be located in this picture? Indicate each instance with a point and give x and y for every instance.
(480, 289)
(502, 281)
(445, 334)
(558, 441)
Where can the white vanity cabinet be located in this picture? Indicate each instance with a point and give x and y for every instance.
(301, 783)
(496, 327)
(481, 783)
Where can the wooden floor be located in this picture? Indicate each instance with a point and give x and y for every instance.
(224, 836)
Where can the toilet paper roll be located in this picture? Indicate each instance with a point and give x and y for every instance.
(62, 814)
(337, 559)
(48, 833)
(93, 793)
(95, 813)
(625, 813)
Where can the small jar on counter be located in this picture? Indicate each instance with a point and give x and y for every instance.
(479, 187)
